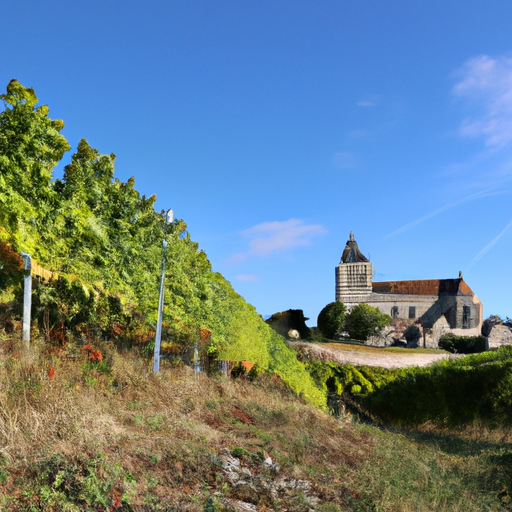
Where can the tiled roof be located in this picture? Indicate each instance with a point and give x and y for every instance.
(424, 287)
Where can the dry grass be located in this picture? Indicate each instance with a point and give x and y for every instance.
(132, 440)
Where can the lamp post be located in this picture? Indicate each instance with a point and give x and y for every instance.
(158, 335)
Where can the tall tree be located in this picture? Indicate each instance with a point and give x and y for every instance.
(30, 147)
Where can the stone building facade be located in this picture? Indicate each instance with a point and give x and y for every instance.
(436, 306)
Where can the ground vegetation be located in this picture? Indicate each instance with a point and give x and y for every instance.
(93, 428)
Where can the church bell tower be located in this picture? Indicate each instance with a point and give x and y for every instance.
(353, 275)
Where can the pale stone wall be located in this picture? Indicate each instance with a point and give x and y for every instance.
(353, 283)
(386, 303)
(435, 315)
(500, 335)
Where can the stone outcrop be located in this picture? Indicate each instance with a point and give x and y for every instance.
(251, 478)
(498, 332)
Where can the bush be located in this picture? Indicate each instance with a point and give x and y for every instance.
(473, 389)
(462, 344)
(340, 379)
(412, 334)
(364, 321)
(331, 319)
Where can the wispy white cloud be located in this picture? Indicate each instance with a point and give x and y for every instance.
(271, 237)
(487, 83)
(488, 247)
(247, 278)
(345, 160)
(472, 197)
(365, 103)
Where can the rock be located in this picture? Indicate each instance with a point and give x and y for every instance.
(293, 334)
(499, 335)
(251, 478)
(385, 338)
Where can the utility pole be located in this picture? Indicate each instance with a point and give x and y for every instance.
(158, 335)
(27, 299)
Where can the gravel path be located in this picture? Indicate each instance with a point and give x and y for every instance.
(368, 356)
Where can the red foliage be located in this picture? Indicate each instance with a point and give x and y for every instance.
(58, 334)
(116, 500)
(11, 263)
(93, 354)
(116, 329)
(205, 334)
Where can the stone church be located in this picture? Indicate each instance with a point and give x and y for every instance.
(435, 306)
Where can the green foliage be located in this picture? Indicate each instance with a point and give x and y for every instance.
(315, 334)
(364, 321)
(30, 148)
(452, 393)
(90, 484)
(412, 334)
(331, 319)
(462, 344)
(348, 379)
(239, 452)
(103, 242)
(476, 388)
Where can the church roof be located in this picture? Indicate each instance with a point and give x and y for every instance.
(424, 287)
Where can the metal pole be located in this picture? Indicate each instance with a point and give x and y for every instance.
(158, 334)
(27, 299)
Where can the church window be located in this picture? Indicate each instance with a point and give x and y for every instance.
(466, 317)
(412, 311)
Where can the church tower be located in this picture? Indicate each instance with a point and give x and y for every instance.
(353, 275)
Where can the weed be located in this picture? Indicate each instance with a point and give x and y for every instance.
(239, 452)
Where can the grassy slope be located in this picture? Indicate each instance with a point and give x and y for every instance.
(132, 440)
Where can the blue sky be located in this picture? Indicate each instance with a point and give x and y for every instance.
(274, 128)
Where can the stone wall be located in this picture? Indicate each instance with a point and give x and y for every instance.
(353, 283)
(500, 335)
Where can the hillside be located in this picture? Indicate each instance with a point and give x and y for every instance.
(82, 433)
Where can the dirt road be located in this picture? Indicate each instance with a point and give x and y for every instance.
(369, 356)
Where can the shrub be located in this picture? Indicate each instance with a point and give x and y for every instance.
(315, 334)
(473, 389)
(364, 321)
(462, 344)
(331, 319)
(412, 334)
